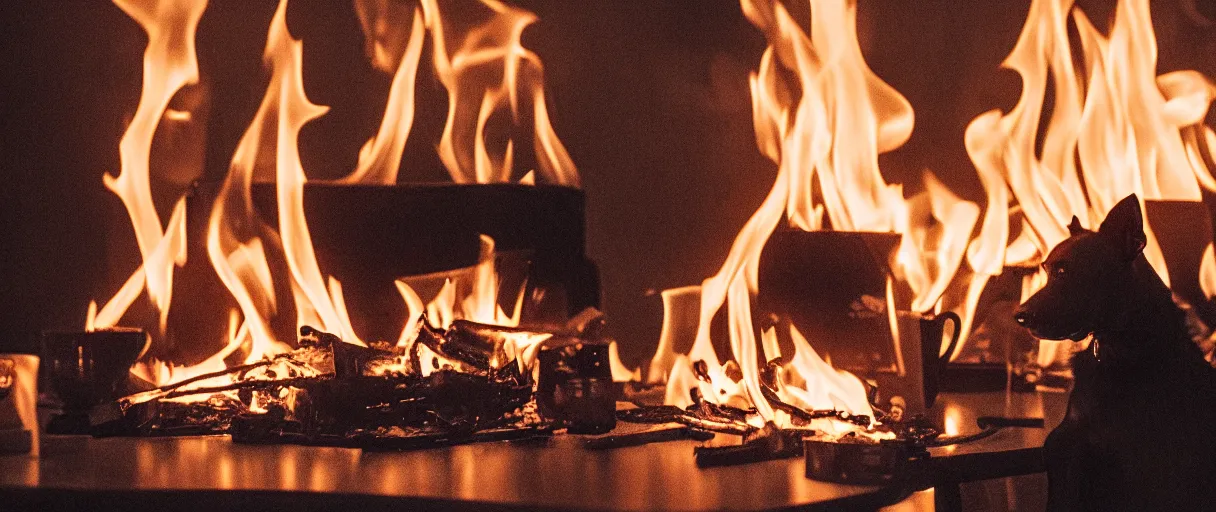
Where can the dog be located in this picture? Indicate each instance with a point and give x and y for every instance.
(1140, 430)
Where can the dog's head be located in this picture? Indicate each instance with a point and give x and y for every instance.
(1085, 273)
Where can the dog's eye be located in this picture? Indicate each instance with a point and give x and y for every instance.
(1055, 270)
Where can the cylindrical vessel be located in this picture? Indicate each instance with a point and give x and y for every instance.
(86, 368)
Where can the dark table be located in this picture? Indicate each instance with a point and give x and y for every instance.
(194, 473)
(213, 473)
(1010, 452)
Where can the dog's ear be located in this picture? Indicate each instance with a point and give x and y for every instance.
(1075, 228)
(1125, 228)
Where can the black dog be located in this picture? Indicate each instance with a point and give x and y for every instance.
(1140, 432)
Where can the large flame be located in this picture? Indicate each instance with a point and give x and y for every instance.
(825, 126)
(488, 71)
(234, 235)
(480, 60)
(490, 57)
(1129, 130)
(316, 305)
(479, 285)
(380, 158)
(169, 64)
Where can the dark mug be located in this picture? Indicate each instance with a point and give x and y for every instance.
(86, 368)
(914, 385)
(933, 360)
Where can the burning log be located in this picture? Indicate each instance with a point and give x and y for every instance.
(157, 418)
(770, 381)
(481, 347)
(348, 360)
(354, 412)
(701, 418)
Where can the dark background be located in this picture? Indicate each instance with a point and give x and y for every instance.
(650, 97)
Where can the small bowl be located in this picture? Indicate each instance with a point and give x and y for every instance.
(857, 463)
(86, 368)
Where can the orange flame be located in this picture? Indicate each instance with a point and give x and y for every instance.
(415, 309)
(477, 288)
(488, 71)
(169, 64)
(827, 126)
(234, 245)
(313, 303)
(161, 373)
(489, 61)
(170, 250)
(380, 158)
(1130, 130)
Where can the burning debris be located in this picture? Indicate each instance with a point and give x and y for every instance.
(875, 451)
(269, 267)
(463, 371)
(469, 382)
(813, 124)
(459, 370)
(1116, 128)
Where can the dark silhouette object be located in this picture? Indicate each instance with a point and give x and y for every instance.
(1140, 432)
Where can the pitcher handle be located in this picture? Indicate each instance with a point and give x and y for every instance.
(958, 330)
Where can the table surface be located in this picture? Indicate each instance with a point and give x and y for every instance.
(556, 473)
(1009, 452)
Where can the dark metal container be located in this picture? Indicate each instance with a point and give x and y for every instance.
(575, 387)
(86, 368)
(367, 236)
(857, 463)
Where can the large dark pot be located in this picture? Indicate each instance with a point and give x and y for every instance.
(367, 236)
(832, 286)
(384, 232)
